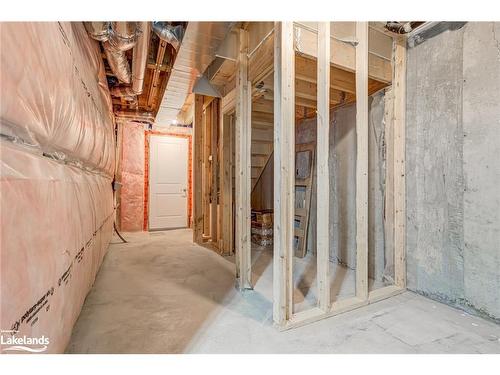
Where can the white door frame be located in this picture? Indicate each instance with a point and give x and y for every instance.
(186, 139)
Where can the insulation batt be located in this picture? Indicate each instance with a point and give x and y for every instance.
(132, 195)
(56, 164)
(56, 224)
(54, 92)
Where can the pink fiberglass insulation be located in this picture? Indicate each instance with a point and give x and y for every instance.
(54, 93)
(56, 225)
(56, 163)
(132, 194)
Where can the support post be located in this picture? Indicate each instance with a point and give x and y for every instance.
(226, 185)
(399, 87)
(284, 167)
(197, 169)
(362, 160)
(214, 123)
(389, 176)
(323, 178)
(207, 139)
(243, 138)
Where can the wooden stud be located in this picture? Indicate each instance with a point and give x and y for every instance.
(226, 186)
(197, 169)
(399, 163)
(207, 140)
(243, 138)
(323, 178)
(362, 160)
(214, 123)
(284, 168)
(389, 175)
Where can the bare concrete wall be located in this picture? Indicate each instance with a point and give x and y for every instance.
(453, 168)
(342, 166)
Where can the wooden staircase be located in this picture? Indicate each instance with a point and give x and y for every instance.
(262, 136)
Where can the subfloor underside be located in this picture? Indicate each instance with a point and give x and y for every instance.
(160, 293)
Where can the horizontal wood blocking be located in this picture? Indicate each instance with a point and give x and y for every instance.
(342, 57)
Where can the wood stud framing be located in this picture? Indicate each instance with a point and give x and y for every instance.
(243, 138)
(226, 189)
(207, 140)
(284, 176)
(399, 87)
(214, 162)
(284, 145)
(323, 81)
(208, 213)
(362, 160)
(323, 178)
(197, 169)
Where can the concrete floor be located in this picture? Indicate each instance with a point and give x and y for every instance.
(162, 294)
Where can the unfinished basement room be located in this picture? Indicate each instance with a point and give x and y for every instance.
(250, 187)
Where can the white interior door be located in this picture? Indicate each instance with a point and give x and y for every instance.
(168, 176)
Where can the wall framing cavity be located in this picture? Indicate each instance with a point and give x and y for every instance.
(319, 67)
(284, 141)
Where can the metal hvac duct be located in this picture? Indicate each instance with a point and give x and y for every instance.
(199, 45)
(122, 92)
(123, 35)
(168, 33)
(117, 37)
(117, 62)
(98, 30)
(140, 57)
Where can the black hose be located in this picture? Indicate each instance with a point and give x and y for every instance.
(118, 233)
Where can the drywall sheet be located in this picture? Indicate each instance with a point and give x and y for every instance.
(132, 194)
(54, 93)
(452, 168)
(56, 224)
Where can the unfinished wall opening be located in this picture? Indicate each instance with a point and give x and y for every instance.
(340, 152)
(212, 174)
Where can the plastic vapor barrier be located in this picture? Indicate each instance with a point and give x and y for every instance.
(56, 164)
(56, 224)
(54, 93)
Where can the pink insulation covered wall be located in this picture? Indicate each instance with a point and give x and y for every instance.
(132, 174)
(57, 163)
